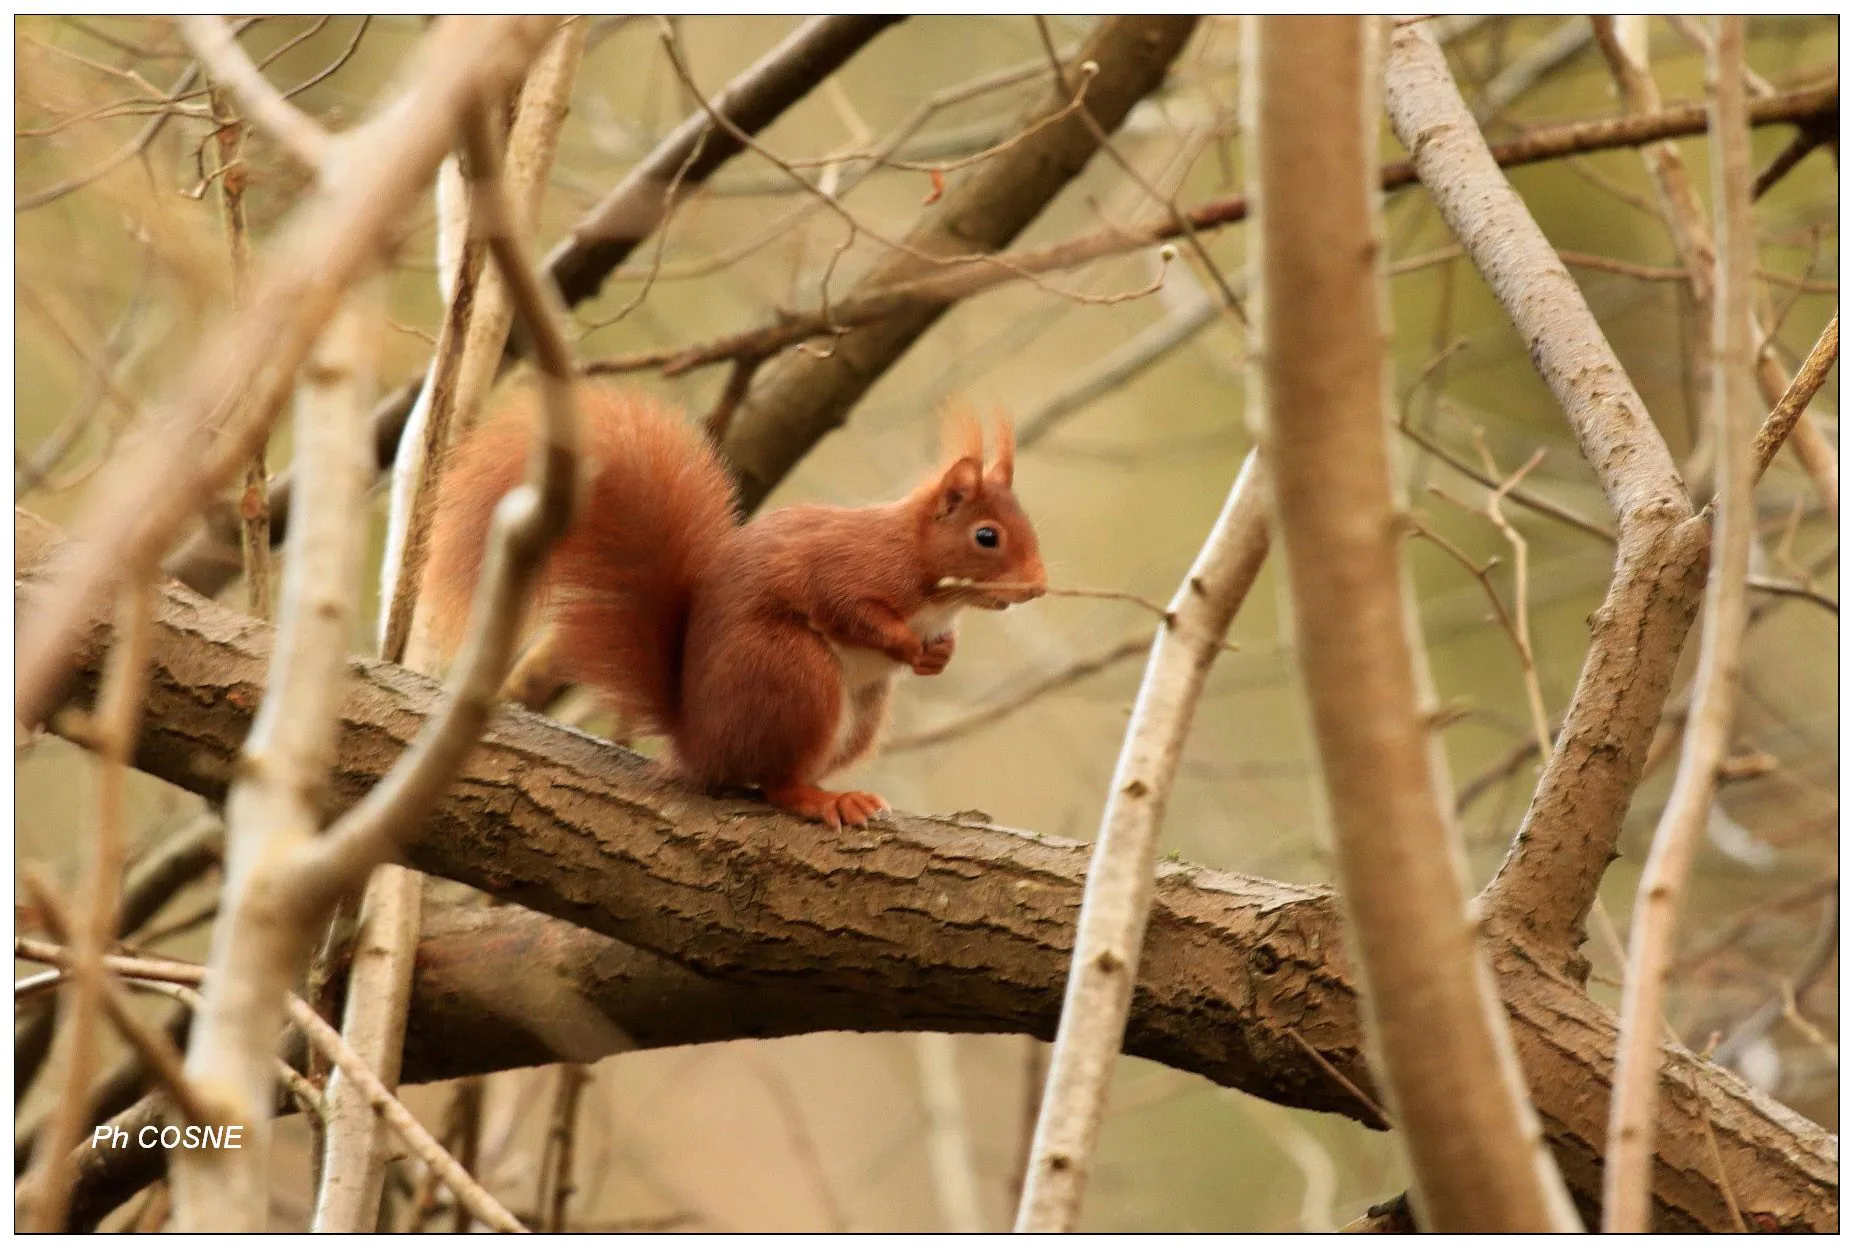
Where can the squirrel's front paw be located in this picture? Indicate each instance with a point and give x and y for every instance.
(935, 654)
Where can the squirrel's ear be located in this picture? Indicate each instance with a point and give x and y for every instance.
(957, 484)
(961, 438)
(1004, 459)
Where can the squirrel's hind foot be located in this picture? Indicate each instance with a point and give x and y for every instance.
(852, 807)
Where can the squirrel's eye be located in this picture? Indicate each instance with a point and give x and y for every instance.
(986, 536)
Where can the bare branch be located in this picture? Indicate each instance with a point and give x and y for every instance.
(227, 64)
(487, 317)
(264, 931)
(554, 820)
(802, 398)
(1117, 907)
(1796, 396)
(472, 1194)
(1456, 1090)
(1626, 1188)
(238, 383)
(527, 522)
(1544, 889)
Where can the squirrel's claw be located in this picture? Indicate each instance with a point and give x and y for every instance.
(852, 807)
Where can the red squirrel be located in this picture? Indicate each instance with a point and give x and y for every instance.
(764, 651)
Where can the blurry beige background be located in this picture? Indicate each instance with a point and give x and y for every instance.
(830, 1130)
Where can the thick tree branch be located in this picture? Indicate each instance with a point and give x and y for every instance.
(778, 931)
(1544, 889)
(803, 397)
(605, 236)
(1441, 1044)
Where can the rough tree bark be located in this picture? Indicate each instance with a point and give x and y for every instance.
(1457, 1096)
(775, 931)
(1543, 891)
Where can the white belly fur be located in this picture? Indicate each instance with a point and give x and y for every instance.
(863, 667)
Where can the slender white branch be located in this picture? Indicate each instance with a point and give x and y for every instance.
(473, 1195)
(1708, 737)
(263, 934)
(1118, 898)
(528, 520)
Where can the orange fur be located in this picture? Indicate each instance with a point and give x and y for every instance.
(765, 652)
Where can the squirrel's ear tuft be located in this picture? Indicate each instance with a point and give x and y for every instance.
(1004, 459)
(957, 484)
(960, 435)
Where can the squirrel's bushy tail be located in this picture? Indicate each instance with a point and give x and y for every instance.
(655, 510)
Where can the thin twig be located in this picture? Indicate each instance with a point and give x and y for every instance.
(557, 1156)
(159, 1056)
(227, 64)
(1796, 396)
(254, 499)
(997, 709)
(119, 710)
(470, 1193)
(1630, 1143)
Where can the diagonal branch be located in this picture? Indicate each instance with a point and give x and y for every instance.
(1677, 835)
(1237, 972)
(608, 233)
(803, 397)
(224, 405)
(1544, 889)
(1116, 909)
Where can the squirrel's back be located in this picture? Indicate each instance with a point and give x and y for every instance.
(656, 509)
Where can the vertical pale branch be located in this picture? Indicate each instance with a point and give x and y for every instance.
(373, 1024)
(525, 525)
(1118, 898)
(1657, 901)
(118, 716)
(1457, 1095)
(263, 934)
(532, 140)
(379, 985)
